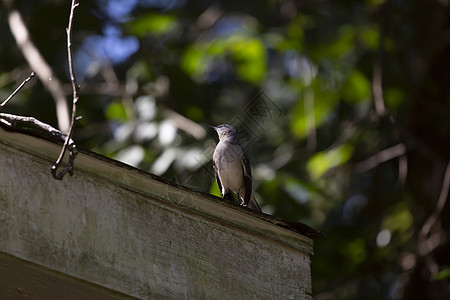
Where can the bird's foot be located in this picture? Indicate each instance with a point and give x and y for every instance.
(228, 196)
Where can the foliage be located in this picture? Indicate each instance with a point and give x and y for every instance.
(154, 74)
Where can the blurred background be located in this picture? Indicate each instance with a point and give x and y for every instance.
(343, 107)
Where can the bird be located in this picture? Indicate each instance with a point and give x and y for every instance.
(232, 168)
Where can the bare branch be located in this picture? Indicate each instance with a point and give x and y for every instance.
(69, 167)
(185, 124)
(17, 89)
(377, 76)
(32, 125)
(310, 120)
(380, 157)
(402, 169)
(377, 89)
(443, 196)
(38, 63)
(431, 234)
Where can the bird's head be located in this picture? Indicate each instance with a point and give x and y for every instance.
(226, 132)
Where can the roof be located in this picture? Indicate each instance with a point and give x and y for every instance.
(39, 142)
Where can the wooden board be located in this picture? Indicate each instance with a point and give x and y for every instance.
(23, 280)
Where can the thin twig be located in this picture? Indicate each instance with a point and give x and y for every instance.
(431, 234)
(377, 88)
(380, 157)
(17, 89)
(75, 87)
(310, 120)
(402, 169)
(377, 76)
(185, 124)
(443, 196)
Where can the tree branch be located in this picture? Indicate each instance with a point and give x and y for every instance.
(425, 246)
(67, 146)
(377, 76)
(30, 124)
(380, 157)
(17, 89)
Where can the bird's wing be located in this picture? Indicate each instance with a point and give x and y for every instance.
(216, 174)
(227, 195)
(247, 178)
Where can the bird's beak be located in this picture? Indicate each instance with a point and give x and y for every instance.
(213, 127)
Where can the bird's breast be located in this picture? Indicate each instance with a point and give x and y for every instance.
(231, 176)
(228, 165)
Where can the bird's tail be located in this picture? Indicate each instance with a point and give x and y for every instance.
(252, 204)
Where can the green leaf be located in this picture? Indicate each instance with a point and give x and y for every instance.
(357, 88)
(116, 111)
(322, 161)
(356, 251)
(394, 97)
(195, 61)
(322, 102)
(247, 53)
(400, 219)
(443, 274)
(342, 46)
(370, 35)
(153, 23)
(195, 114)
(251, 59)
(214, 190)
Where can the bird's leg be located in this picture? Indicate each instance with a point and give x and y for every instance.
(228, 196)
(241, 200)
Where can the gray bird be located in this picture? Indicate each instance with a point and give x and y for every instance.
(232, 168)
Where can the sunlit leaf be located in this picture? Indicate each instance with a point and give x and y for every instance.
(370, 35)
(152, 23)
(251, 59)
(400, 219)
(443, 274)
(116, 111)
(322, 161)
(195, 62)
(394, 97)
(219, 46)
(357, 88)
(247, 53)
(343, 45)
(214, 190)
(321, 102)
